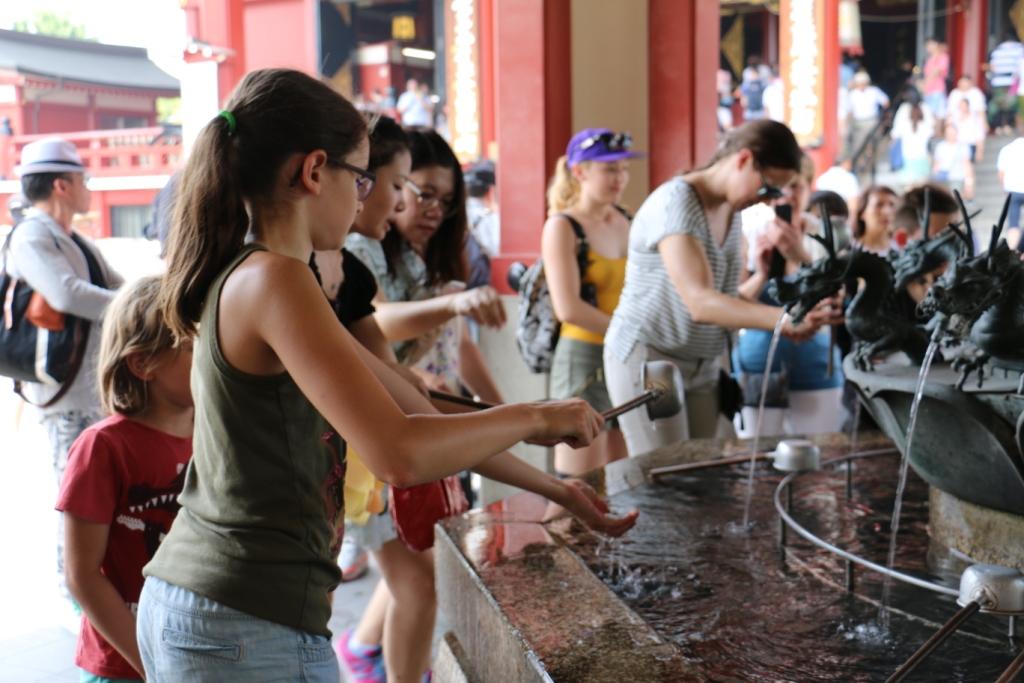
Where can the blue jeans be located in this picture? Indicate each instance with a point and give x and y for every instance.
(186, 637)
(1013, 220)
(87, 677)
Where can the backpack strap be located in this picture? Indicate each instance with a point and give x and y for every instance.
(587, 292)
(582, 248)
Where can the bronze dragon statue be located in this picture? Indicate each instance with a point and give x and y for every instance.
(877, 316)
(984, 296)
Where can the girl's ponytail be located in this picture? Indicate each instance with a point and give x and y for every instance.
(564, 190)
(209, 226)
(236, 164)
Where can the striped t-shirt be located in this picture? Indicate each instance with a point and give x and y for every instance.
(650, 310)
(1005, 63)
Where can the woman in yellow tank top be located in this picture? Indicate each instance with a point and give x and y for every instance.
(585, 221)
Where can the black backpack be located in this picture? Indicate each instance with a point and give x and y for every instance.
(538, 328)
(32, 354)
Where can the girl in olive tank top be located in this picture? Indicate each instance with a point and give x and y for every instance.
(250, 557)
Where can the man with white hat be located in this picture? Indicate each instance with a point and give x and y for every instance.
(56, 263)
(865, 105)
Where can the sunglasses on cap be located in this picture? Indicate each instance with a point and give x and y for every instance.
(613, 142)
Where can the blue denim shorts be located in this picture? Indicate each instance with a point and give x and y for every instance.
(186, 637)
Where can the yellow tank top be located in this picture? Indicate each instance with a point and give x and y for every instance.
(607, 275)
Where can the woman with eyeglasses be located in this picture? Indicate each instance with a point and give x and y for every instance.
(420, 267)
(681, 299)
(584, 251)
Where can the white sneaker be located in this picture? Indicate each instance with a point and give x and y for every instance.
(353, 560)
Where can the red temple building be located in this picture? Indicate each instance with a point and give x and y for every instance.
(101, 97)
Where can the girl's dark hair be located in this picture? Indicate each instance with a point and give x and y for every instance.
(387, 140)
(275, 114)
(772, 144)
(444, 257)
(859, 226)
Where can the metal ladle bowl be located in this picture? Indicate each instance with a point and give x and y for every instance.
(796, 455)
(664, 379)
(997, 589)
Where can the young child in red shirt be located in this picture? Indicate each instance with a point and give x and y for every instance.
(120, 492)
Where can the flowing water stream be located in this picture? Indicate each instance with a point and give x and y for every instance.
(759, 422)
(929, 356)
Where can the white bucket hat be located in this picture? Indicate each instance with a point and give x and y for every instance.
(52, 155)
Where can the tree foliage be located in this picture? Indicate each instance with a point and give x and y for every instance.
(48, 23)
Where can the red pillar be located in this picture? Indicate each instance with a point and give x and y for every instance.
(955, 43)
(683, 49)
(533, 117)
(221, 23)
(974, 39)
(92, 122)
(485, 35)
(825, 155)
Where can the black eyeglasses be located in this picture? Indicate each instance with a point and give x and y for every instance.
(365, 180)
(613, 142)
(427, 200)
(768, 191)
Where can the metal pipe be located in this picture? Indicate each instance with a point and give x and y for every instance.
(1012, 626)
(704, 464)
(939, 637)
(782, 523)
(849, 576)
(640, 400)
(459, 400)
(835, 550)
(1012, 671)
(740, 459)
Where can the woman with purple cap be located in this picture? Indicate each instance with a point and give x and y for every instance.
(584, 251)
(681, 298)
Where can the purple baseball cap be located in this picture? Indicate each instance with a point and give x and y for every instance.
(599, 144)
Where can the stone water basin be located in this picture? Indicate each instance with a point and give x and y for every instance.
(690, 595)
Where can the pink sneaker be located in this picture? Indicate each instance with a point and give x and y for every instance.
(363, 663)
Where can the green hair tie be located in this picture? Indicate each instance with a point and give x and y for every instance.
(230, 118)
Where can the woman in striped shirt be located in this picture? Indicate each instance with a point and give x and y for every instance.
(681, 300)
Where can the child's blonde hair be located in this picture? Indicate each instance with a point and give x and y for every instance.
(564, 189)
(807, 169)
(132, 325)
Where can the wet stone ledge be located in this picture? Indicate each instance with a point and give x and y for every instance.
(525, 608)
(984, 535)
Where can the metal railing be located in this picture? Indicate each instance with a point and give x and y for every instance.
(865, 157)
(790, 522)
(155, 150)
